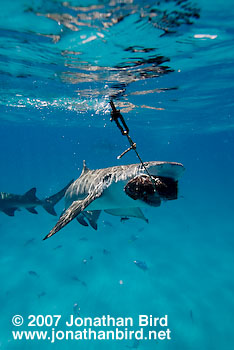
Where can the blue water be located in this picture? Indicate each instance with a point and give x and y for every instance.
(168, 65)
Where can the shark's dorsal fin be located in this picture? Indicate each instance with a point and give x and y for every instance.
(31, 194)
(85, 168)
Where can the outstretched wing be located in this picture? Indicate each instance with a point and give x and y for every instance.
(75, 209)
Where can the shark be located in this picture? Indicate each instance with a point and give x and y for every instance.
(10, 202)
(119, 190)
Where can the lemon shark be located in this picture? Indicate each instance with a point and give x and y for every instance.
(119, 190)
(10, 202)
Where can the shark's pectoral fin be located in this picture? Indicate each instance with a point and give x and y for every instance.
(92, 217)
(10, 211)
(75, 209)
(81, 220)
(32, 210)
(129, 212)
(70, 214)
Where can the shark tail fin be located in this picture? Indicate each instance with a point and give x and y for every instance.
(50, 202)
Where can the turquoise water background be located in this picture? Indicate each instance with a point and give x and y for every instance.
(168, 65)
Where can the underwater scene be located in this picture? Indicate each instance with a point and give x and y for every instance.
(138, 254)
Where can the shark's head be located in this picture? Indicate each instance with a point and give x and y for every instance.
(171, 170)
(142, 188)
(166, 187)
(152, 189)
